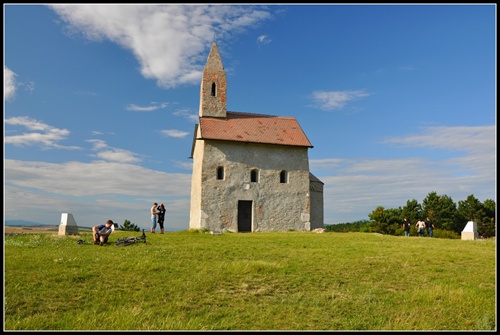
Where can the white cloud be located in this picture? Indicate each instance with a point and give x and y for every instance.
(174, 133)
(113, 154)
(355, 187)
(186, 113)
(9, 84)
(471, 139)
(169, 41)
(335, 99)
(185, 165)
(478, 144)
(95, 178)
(48, 137)
(98, 144)
(41, 134)
(263, 39)
(153, 107)
(118, 155)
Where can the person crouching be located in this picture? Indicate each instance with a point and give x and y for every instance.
(102, 232)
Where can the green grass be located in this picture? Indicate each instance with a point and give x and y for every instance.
(191, 280)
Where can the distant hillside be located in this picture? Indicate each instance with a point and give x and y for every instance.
(31, 224)
(23, 223)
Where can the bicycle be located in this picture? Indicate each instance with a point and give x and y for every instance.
(131, 240)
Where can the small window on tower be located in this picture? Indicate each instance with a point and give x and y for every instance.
(254, 176)
(214, 89)
(283, 177)
(220, 173)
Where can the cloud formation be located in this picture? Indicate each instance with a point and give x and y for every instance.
(9, 83)
(153, 107)
(332, 100)
(174, 133)
(263, 39)
(167, 40)
(47, 137)
(358, 185)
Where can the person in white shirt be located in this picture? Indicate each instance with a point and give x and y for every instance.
(154, 217)
(420, 228)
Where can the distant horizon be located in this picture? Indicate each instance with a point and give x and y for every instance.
(25, 223)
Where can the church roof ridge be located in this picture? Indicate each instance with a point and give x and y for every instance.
(254, 128)
(261, 114)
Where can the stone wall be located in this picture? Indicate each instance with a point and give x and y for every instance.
(317, 210)
(195, 206)
(275, 206)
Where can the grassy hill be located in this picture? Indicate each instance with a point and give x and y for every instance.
(192, 280)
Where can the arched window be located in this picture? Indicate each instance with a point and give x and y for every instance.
(220, 173)
(283, 177)
(254, 176)
(214, 89)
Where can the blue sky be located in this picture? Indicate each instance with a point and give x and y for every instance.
(100, 102)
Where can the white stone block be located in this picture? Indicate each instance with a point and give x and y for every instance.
(470, 231)
(68, 225)
(68, 219)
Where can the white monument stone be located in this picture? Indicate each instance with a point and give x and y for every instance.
(470, 231)
(68, 225)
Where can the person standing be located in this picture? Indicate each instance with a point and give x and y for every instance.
(161, 217)
(430, 227)
(420, 228)
(154, 217)
(102, 231)
(406, 227)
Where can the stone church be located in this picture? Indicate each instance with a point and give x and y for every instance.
(250, 171)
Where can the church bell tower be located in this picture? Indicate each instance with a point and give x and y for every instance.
(213, 86)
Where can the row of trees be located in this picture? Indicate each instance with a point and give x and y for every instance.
(441, 209)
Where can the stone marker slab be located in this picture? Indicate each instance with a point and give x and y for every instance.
(68, 225)
(470, 231)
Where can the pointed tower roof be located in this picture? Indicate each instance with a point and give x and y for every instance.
(213, 86)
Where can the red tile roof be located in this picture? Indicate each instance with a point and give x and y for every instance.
(255, 128)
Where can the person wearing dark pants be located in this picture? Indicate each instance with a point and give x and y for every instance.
(161, 217)
(406, 227)
(430, 227)
(102, 231)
